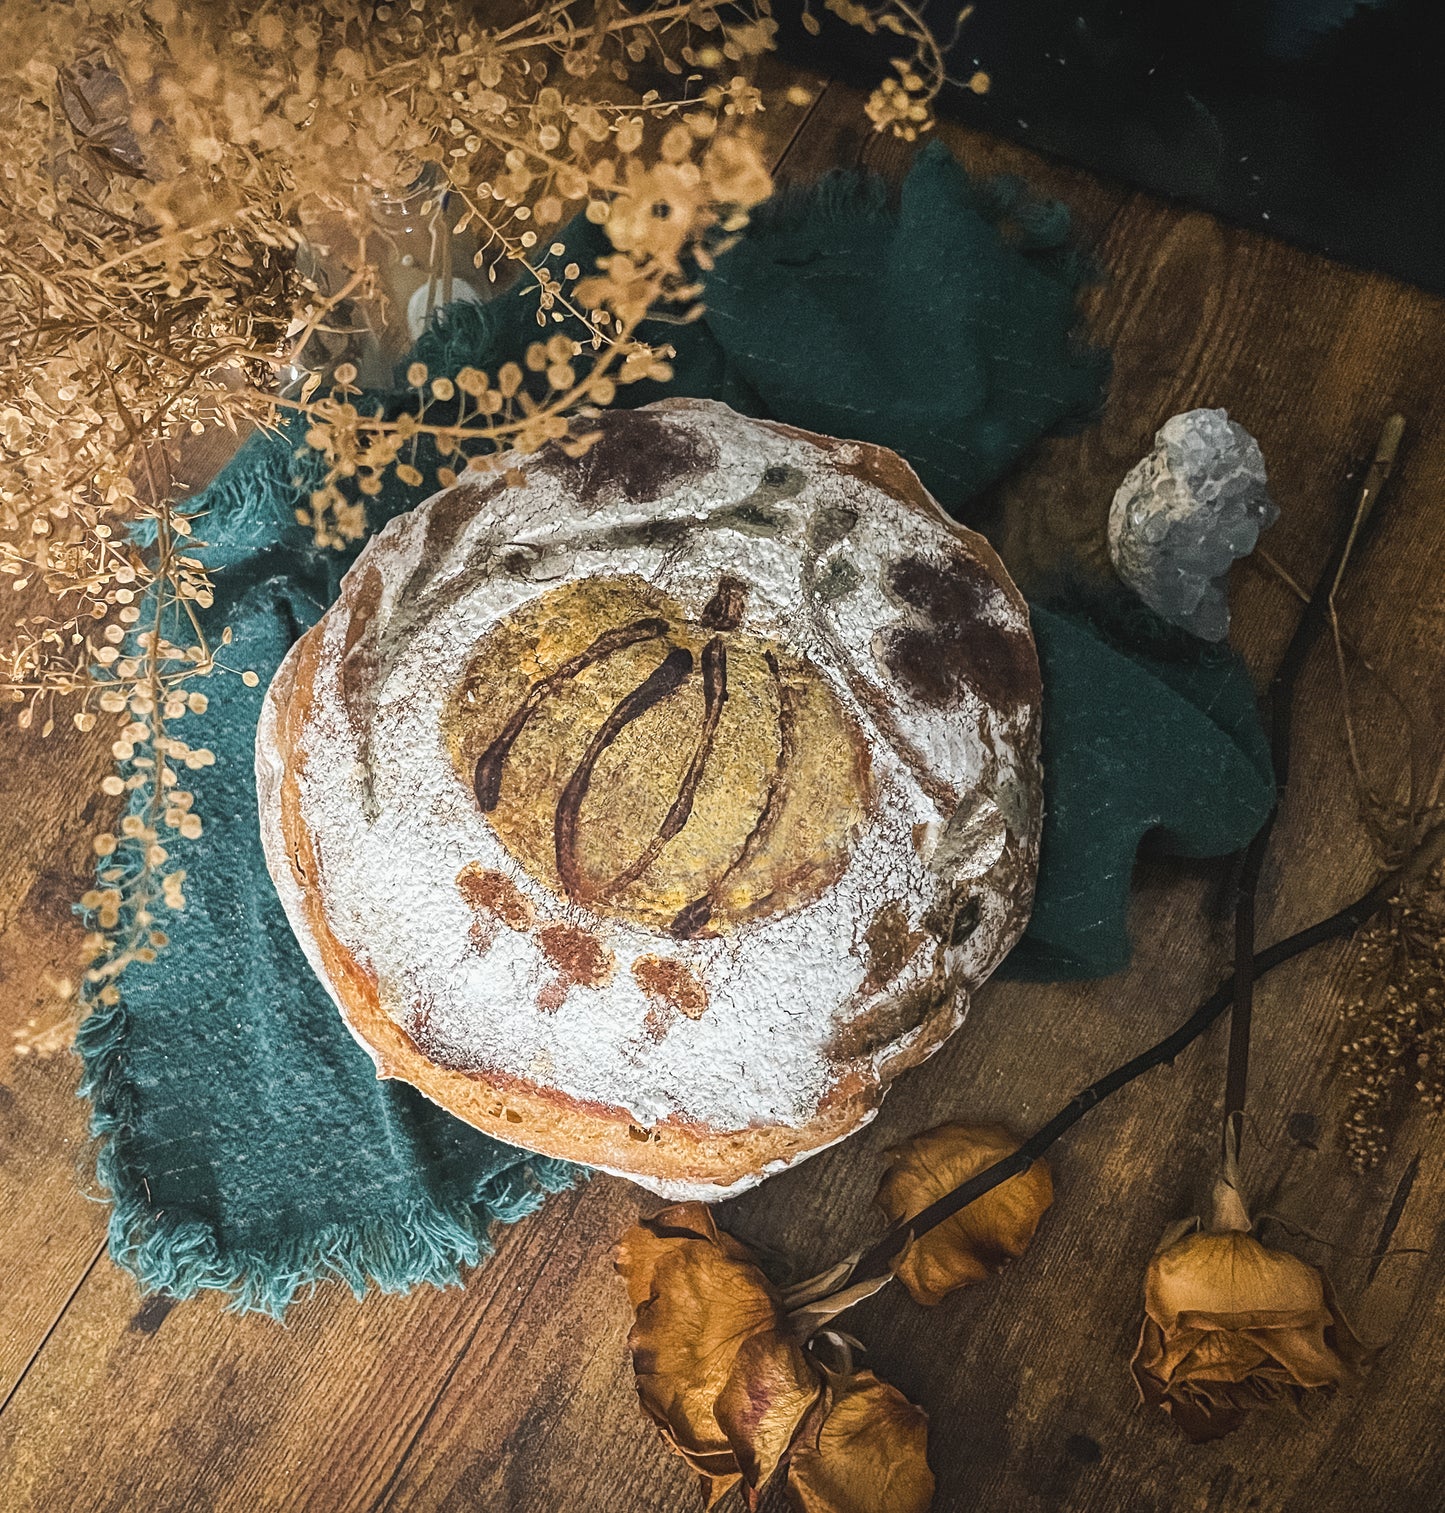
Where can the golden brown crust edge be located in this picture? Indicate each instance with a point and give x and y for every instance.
(546, 1120)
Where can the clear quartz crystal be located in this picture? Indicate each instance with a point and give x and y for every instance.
(1184, 513)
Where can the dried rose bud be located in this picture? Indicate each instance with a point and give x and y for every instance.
(1231, 1325)
(721, 1370)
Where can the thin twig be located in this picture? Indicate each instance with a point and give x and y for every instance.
(1280, 715)
(1384, 457)
(1421, 798)
(363, 274)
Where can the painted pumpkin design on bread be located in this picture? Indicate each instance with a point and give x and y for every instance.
(685, 774)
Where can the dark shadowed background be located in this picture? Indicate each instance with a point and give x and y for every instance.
(1322, 121)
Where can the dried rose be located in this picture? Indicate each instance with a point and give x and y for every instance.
(710, 1326)
(981, 1238)
(722, 1371)
(1231, 1325)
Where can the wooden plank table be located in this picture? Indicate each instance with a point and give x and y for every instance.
(515, 1392)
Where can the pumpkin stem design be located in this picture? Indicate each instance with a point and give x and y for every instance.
(724, 611)
(488, 778)
(666, 678)
(692, 917)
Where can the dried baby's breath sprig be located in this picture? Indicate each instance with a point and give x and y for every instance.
(1394, 1052)
(903, 102)
(145, 690)
(197, 208)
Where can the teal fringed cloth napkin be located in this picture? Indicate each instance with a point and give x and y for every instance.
(246, 1142)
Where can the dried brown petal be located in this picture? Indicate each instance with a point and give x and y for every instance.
(981, 1238)
(685, 1341)
(770, 1390)
(645, 1243)
(867, 1456)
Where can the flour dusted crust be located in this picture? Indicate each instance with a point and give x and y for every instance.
(656, 811)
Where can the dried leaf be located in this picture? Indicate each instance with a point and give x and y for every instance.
(1231, 1325)
(981, 1238)
(811, 1317)
(820, 1286)
(867, 1456)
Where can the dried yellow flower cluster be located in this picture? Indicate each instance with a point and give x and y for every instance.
(193, 206)
(903, 105)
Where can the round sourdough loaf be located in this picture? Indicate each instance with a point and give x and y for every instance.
(656, 810)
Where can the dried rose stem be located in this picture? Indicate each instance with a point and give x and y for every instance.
(875, 1261)
(1279, 707)
(1236, 991)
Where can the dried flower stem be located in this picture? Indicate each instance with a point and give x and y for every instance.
(1427, 854)
(1318, 611)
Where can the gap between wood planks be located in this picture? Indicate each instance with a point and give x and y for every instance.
(53, 1326)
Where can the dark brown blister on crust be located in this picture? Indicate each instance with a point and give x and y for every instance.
(637, 453)
(948, 646)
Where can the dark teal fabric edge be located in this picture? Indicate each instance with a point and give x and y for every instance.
(180, 1255)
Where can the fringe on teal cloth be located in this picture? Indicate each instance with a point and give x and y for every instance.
(245, 1140)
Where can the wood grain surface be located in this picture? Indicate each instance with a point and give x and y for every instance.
(514, 1394)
